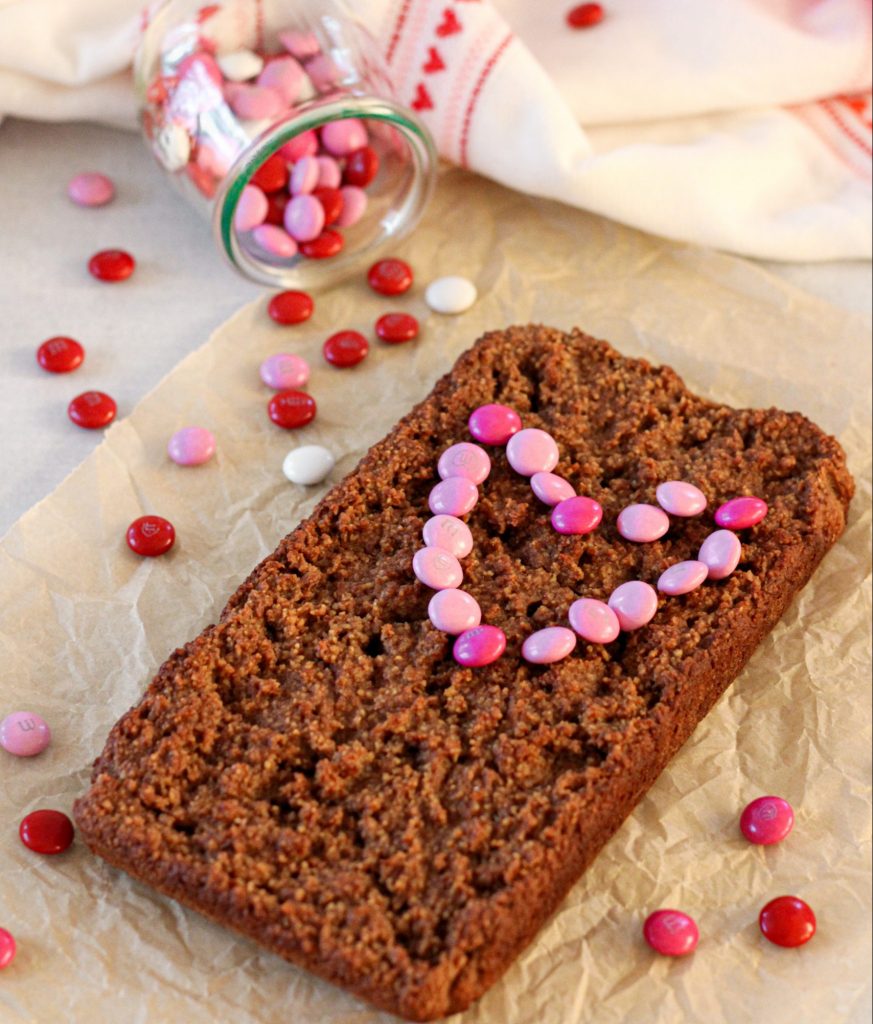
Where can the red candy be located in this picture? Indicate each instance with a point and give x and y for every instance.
(390, 277)
(291, 409)
(112, 265)
(276, 204)
(585, 16)
(329, 243)
(92, 410)
(272, 175)
(671, 933)
(291, 307)
(395, 328)
(362, 167)
(347, 348)
(7, 948)
(767, 820)
(60, 355)
(46, 831)
(331, 200)
(151, 536)
(787, 921)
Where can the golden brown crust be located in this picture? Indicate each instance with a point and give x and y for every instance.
(318, 773)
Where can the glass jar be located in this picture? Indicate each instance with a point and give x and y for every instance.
(240, 95)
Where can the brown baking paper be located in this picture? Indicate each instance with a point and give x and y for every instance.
(84, 624)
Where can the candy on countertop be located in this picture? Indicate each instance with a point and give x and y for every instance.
(397, 328)
(546, 646)
(355, 202)
(449, 533)
(329, 243)
(454, 612)
(304, 177)
(494, 424)
(480, 646)
(240, 65)
(682, 578)
(284, 371)
(191, 446)
(787, 921)
(24, 733)
(111, 265)
(272, 175)
(251, 210)
(635, 603)
(345, 349)
(671, 933)
(60, 355)
(151, 536)
(451, 295)
(291, 409)
(577, 516)
(437, 568)
(454, 496)
(304, 218)
(342, 138)
(275, 241)
(46, 832)
(594, 621)
(741, 513)
(721, 553)
(7, 948)
(91, 189)
(464, 459)
(308, 465)
(390, 277)
(532, 451)
(767, 820)
(92, 410)
(551, 489)
(291, 307)
(680, 498)
(362, 166)
(642, 523)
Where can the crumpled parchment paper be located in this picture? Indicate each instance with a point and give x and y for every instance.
(84, 624)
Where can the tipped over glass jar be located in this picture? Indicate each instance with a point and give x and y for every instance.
(278, 120)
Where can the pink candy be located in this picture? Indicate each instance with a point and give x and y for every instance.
(275, 241)
(304, 218)
(91, 189)
(494, 424)
(454, 612)
(449, 533)
(721, 553)
(480, 646)
(642, 523)
(330, 173)
(304, 144)
(465, 459)
(682, 578)
(304, 177)
(255, 102)
(549, 645)
(455, 496)
(191, 446)
(767, 820)
(355, 204)
(301, 45)
(635, 604)
(284, 371)
(532, 451)
(24, 733)
(594, 621)
(344, 137)
(680, 498)
(323, 74)
(251, 209)
(285, 76)
(551, 489)
(671, 933)
(741, 513)
(577, 516)
(437, 568)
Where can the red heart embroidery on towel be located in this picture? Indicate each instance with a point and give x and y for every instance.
(423, 100)
(434, 62)
(450, 25)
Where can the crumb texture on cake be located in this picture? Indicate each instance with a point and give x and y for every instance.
(316, 771)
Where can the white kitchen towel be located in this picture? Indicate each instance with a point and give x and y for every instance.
(739, 124)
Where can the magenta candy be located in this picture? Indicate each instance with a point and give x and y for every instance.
(551, 489)
(355, 204)
(635, 604)
(464, 459)
(285, 76)
(91, 189)
(549, 645)
(251, 209)
(577, 516)
(304, 218)
(284, 372)
(275, 241)
(301, 45)
(438, 569)
(741, 513)
(682, 578)
(642, 523)
(721, 553)
(532, 451)
(594, 621)
(494, 424)
(449, 533)
(343, 137)
(330, 173)
(455, 496)
(454, 612)
(480, 646)
(24, 733)
(191, 446)
(7, 948)
(304, 177)
(767, 820)
(680, 498)
(671, 933)
(304, 144)
(255, 102)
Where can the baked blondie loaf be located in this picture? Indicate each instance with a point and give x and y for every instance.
(316, 770)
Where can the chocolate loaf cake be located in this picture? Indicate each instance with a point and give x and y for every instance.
(317, 771)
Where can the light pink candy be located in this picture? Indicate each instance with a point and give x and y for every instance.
(285, 76)
(464, 459)
(634, 603)
(330, 173)
(551, 489)
(455, 496)
(304, 144)
(191, 446)
(355, 202)
(721, 553)
(304, 218)
(454, 612)
(437, 568)
(680, 498)
(251, 210)
(301, 45)
(449, 533)
(284, 371)
(91, 189)
(255, 102)
(594, 621)
(549, 645)
(24, 733)
(741, 513)
(275, 241)
(682, 578)
(323, 73)
(642, 523)
(532, 451)
(480, 646)
(494, 424)
(304, 176)
(344, 137)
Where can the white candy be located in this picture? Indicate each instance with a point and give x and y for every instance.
(308, 465)
(172, 147)
(240, 66)
(451, 295)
